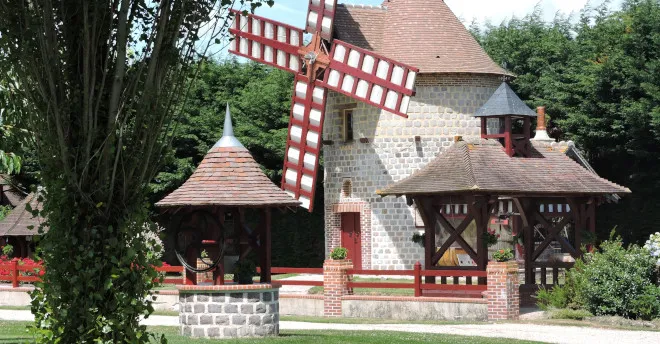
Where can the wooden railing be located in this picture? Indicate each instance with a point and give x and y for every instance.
(419, 285)
(17, 273)
(284, 271)
(558, 269)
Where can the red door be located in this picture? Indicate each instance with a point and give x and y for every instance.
(350, 238)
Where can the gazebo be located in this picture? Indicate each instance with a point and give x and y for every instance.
(553, 197)
(20, 226)
(224, 209)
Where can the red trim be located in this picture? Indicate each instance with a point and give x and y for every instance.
(381, 272)
(363, 100)
(272, 64)
(239, 14)
(454, 273)
(381, 285)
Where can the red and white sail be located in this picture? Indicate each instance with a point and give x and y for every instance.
(303, 147)
(266, 41)
(321, 17)
(370, 78)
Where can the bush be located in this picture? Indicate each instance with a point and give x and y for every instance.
(339, 253)
(570, 314)
(615, 277)
(8, 250)
(554, 298)
(647, 305)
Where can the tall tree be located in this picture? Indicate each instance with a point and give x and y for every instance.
(600, 78)
(102, 81)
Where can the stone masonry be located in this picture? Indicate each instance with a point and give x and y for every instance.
(229, 313)
(503, 291)
(391, 149)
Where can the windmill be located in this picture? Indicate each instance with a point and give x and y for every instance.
(324, 64)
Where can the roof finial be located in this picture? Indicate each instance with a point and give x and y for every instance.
(228, 139)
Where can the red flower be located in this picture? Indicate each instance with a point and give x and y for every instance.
(501, 251)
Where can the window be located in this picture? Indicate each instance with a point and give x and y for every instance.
(347, 188)
(348, 126)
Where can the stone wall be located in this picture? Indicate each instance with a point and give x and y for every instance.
(229, 314)
(442, 109)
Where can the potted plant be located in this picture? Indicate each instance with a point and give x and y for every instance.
(490, 238)
(419, 239)
(244, 272)
(339, 253)
(503, 255)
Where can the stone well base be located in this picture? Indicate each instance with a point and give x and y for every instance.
(229, 311)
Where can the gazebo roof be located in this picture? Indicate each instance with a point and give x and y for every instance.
(482, 166)
(422, 33)
(19, 219)
(228, 176)
(504, 102)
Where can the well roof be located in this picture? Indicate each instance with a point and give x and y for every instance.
(228, 176)
(19, 219)
(422, 33)
(482, 166)
(505, 102)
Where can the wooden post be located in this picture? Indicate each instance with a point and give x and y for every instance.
(191, 258)
(425, 206)
(591, 222)
(484, 127)
(219, 274)
(508, 144)
(14, 273)
(266, 261)
(418, 279)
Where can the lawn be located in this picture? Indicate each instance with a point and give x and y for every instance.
(15, 333)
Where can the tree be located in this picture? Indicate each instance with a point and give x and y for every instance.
(102, 82)
(600, 79)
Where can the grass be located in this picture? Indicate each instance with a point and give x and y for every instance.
(15, 333)
(376, 291)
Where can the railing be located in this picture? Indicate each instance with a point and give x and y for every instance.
(16, 273)
(419, 285)
(558, 269)
(284, 271)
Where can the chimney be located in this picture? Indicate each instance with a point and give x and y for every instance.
(541, 130)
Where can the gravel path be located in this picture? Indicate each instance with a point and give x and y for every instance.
(299, 289)
(548, 334)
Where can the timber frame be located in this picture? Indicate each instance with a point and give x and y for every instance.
(526, 218)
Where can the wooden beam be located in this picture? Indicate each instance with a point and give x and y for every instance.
(553, 233)
(265, 238)
(455, 236)
(424, 205)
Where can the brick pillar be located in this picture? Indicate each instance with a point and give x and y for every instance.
(335, 285)
(503, 291)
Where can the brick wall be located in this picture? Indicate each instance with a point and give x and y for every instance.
(442, 109)
(503, 291)
(335, 285)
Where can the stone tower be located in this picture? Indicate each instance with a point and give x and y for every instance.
(366, 149)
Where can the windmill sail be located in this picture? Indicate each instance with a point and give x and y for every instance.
(321, 17)
(370, 78)
(303, 147)
(266, 41)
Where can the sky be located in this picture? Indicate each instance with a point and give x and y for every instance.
(293, 11)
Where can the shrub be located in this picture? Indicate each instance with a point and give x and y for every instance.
(504, 255)
(570, 314)
(490, 238)
(339, 253)
(653, 246)
(647, 305)
(554, 298)
(617, 281)
(8, 250)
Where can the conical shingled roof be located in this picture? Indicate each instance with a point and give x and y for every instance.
(483, 167)
(19, 220)
(228, 176)
(505, 102)
(422, 33)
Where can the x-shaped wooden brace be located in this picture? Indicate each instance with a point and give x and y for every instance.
(455, 236)
(553, 233)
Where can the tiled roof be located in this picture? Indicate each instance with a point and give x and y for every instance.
(19, 219)
(422, 33)
(228, 176)
(482, 166)
(504, 102)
